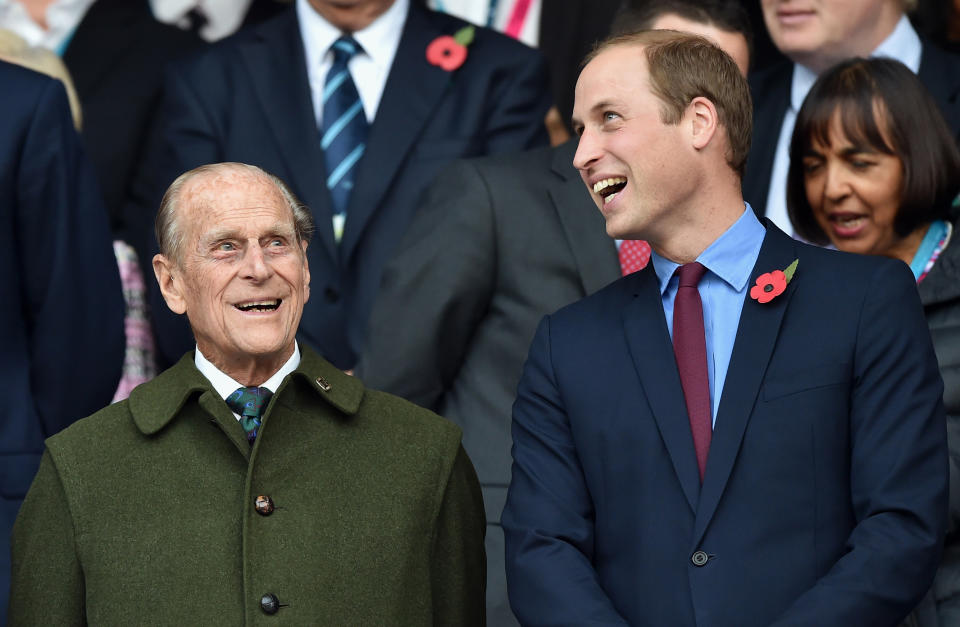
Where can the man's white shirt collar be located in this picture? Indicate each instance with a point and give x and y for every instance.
(223, 16)
(62, 17)
(369, 69)
(225, 385)
(903, 44)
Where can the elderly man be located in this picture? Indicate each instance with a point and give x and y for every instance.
(303, 495)
(748, 431)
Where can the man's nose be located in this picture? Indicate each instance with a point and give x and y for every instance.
(588, 151)
(256, 266)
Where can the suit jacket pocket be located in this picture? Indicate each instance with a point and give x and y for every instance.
(785, 382)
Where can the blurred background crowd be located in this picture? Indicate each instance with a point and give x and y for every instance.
(432, 141)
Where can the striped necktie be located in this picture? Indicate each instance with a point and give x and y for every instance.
(344, 128)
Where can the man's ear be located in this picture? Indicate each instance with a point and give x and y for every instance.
(704, 121)
(169, 278)
(306, 270)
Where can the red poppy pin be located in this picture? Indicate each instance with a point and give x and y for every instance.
(450, 52)
(772, 284)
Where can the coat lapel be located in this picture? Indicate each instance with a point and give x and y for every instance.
(594, 252)
(771, 97)
(275, 59)
(411, 93)
(756, 338)
(649, 343)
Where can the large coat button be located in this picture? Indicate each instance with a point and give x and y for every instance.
(269, 603)
(264, 505)
(699, 558)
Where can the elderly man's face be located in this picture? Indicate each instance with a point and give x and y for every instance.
(243, 279)
(820, 33)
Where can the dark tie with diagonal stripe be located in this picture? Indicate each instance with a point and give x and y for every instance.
(344, 126)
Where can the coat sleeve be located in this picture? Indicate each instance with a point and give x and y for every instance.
(898, 467)
(47, 586)
(71, 284)
(458, 569)
(437, 288)
(548, 521)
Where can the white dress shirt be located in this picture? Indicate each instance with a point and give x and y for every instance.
(62, 16)
(224, 17)
(903, 44)
(369, 69)
(225, 385)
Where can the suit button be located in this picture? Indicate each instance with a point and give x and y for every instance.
(331, 295)
(269, 603)
(699, 558)
(264, 505)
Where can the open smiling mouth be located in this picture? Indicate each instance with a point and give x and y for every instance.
(261, 305)
(609, 188)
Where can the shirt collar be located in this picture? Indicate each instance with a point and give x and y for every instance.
(903, 44)
(225, 385)
(379, 39)
(727, 257)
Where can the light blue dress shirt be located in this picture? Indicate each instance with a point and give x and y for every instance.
(729, 260)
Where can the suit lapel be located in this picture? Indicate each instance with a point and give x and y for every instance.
(649, 343)
(277, 69)
(771, 97)
(756, 338)
(940, 73)
(594, 252)
(411, 93)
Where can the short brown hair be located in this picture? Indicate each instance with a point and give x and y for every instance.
(167, 226)
(858, 90)
(683, 67)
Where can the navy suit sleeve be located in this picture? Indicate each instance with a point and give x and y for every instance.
(898, 467)
(71, 285)
(548, 521)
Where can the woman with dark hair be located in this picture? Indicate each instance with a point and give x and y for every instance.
(874, 170)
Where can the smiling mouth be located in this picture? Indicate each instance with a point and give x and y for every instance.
(609, 188)
(260, 305)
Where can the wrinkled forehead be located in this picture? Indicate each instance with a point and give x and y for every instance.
(231, 195)
(618, 72)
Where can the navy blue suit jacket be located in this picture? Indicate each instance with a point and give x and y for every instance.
(770, 89)
(825, 493)
(61, 315)
(247, 99)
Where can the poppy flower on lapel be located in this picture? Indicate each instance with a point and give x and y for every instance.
(772, 284)
(448, 52)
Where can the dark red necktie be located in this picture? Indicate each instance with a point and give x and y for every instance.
(690, 349)
(634, 255)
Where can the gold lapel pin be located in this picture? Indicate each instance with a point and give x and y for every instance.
(324, 385)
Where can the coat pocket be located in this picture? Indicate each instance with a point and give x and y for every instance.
(793, 381)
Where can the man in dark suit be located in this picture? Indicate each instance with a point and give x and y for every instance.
(253, 98)
(815, 36)
(499, 243)
(61, 317)
(784, 460)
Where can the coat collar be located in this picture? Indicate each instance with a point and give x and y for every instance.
(156, 403)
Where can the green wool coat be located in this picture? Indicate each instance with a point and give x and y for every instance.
(144, 513)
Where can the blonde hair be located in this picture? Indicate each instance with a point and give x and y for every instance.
(14, 49)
